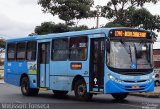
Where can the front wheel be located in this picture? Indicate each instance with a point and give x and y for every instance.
(80, 90)
(119, 96)
(157, 83)
(25, 88)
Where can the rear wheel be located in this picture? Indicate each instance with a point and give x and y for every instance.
(60, 93)
(119, 96)
(25, 88)
(80, 90)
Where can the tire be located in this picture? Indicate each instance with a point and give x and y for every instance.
(60, 93)
(25, 88)
(119, 96)
(157, 83)
(80, 90)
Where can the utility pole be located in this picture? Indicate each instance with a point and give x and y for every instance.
(98, 7)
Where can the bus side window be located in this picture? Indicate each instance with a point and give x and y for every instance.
(31, 51)
(78, 48)
(21, 51)
(60, 49)
(11, 51)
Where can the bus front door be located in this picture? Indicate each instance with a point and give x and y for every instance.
(43, 64)
(97, 64)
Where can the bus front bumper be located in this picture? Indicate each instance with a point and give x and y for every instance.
(113, 87)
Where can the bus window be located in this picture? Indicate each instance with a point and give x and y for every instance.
(11, 51)
(60, 49)
(21, 51)
(78, 48)
(31, 51)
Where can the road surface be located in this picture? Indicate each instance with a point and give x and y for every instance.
(12, 95)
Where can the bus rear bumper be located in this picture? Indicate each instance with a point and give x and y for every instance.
(111, 87)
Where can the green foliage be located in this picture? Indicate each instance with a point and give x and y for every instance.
(78, 28)
(125, 13)
(144, 17)
(2, 43)
(51, 27)
(113, 24)
(67, 10)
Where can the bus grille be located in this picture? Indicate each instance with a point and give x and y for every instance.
(129, 88)
(129, 81)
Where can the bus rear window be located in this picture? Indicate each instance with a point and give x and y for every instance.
(11, 50)
(31, 51)
(21, 51)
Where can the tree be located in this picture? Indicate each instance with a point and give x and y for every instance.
(67, 10)
(2, 47)
(2, 43)
(124, 12)
(144, 18)
(51, 27)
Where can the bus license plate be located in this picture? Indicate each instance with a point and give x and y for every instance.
(135, 87)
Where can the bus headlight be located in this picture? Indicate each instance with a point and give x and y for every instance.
(111, 77)
(150, 80)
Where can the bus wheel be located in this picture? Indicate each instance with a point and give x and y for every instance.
(60, 93)
(119, 96)
(157, 83)
(80, 90)
(25, 88)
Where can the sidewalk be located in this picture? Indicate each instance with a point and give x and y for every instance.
(1, 81)
(156, 93)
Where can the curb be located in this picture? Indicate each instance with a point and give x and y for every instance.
(1, 81)
(1, 76)
(147, 94)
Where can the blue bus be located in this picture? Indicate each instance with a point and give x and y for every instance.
(113, 61)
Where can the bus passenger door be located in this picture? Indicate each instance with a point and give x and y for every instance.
(97, 64)
(43, 64)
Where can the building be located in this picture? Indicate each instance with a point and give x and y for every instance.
(156, 55)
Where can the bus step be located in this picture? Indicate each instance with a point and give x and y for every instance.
(42, 89)
(96, 92)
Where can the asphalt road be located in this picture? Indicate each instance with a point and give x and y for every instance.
(12, 95)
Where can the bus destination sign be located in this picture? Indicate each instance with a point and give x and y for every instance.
(131, 34)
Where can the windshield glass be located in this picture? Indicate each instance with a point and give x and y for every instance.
(130, 55)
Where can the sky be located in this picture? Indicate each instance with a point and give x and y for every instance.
(18, 18)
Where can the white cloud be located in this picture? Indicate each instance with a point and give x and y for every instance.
(156, 45)
(11, 28)
(27, 2)
(20, 17)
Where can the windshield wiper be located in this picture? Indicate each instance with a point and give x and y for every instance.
(127, 49)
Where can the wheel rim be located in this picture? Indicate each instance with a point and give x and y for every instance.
(81, 89)
(24, 87)
(157, 83)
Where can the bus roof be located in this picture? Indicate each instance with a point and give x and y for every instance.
(65, 34)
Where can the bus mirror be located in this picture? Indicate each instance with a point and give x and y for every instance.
(108, 46)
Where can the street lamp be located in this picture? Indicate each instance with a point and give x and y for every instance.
(98, 7)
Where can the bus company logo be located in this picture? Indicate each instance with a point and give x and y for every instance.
(133, 66)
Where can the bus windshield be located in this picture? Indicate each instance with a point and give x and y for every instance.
(130, 55)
